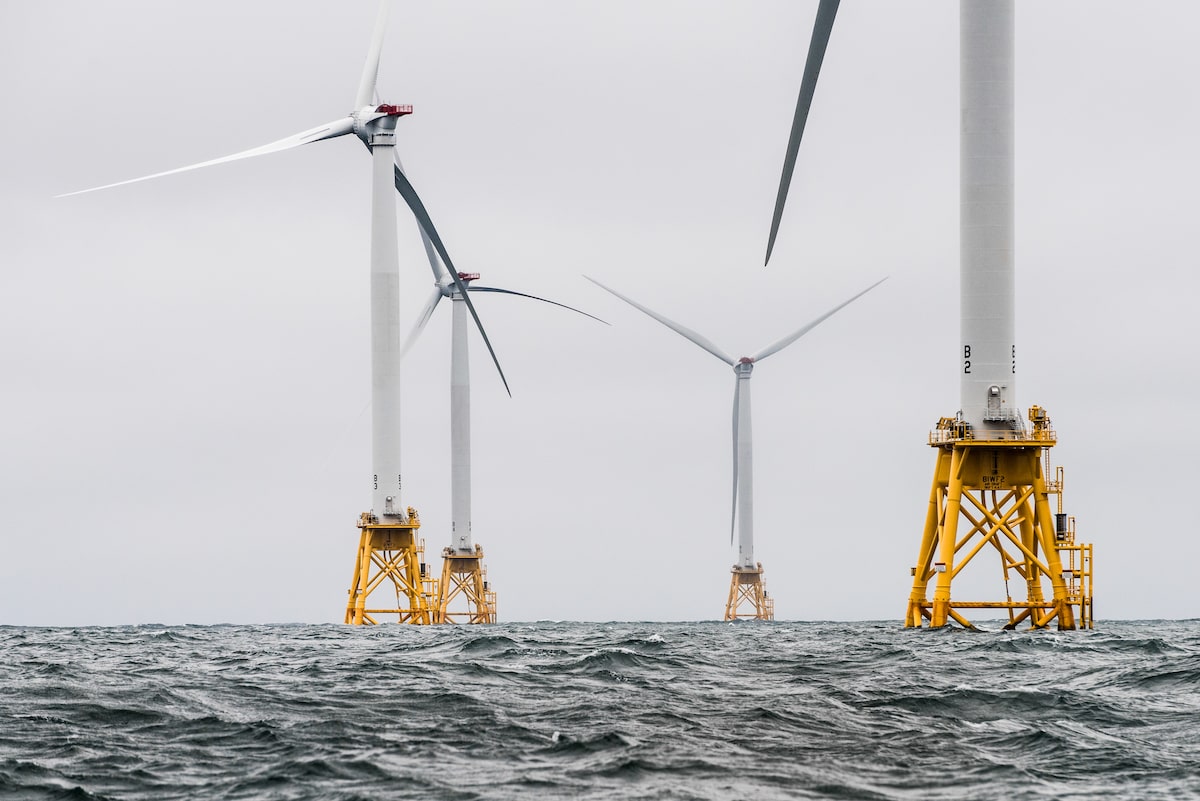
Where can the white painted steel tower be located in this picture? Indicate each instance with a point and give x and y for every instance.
(986, 270)
(743, 462)
(460, 428)
(385, 326)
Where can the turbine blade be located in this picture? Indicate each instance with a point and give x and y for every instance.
(327, 131)
(434, 264)
(808, 85)
(426, 313)
(418, 209)
(737, 398)
(684, 332)
(790, 338)
(535, 297)
(370, 73)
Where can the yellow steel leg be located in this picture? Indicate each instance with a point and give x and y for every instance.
(358, 583)
(947, 540)
(933, 518)
(1030, 538)
(731, 602)
(1030, 535)
(1062, 605)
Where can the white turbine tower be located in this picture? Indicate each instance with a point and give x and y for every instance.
(746, 586)
(463, 575)
(388, 529)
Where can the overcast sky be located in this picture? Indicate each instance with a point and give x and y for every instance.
(184, 363)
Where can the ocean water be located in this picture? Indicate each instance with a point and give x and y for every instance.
(600, 711)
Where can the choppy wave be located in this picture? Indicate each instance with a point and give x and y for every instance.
(600, 711)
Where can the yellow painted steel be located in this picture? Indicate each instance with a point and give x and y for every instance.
(391, 556)
(997, 491)
(748, 598)
(465, 595)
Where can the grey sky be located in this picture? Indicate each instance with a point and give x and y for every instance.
(185, 363)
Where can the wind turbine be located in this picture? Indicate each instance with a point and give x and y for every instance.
(822, 27)
(990, 469)
(388, 537)
(463, 574)
(746, 585)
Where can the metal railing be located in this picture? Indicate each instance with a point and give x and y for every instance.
(943, 436)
